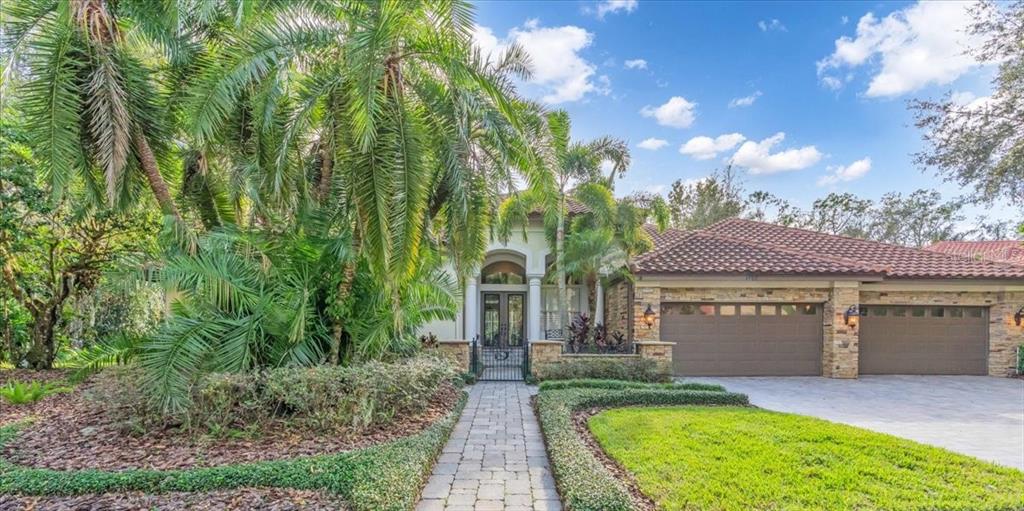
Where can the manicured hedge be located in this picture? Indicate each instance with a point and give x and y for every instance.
(382, 477)
(621, 385)
(603, 368)
(583, 481)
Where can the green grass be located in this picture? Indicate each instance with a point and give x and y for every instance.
(731, 458)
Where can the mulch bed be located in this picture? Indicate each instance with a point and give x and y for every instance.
(579, 419)
(71, 432)
(268, 499)
(10, 413)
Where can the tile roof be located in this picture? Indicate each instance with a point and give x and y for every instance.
(699, 252)
(1002, 251)
(746, 246)
(664, 238)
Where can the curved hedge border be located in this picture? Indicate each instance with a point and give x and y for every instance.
(622, 385)
(382, 477)
(583, 481)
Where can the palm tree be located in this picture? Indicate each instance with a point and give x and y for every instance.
(609, 233)
(404, 123)
(92, 99)
(571, 163)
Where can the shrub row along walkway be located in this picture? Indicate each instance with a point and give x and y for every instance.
(495, 459)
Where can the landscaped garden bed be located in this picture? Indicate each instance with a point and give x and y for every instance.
(362, 437)
(264, 499)
(741, 458)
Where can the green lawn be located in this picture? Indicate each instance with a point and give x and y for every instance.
(730, 458)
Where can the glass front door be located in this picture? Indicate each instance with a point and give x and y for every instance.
(503, 318)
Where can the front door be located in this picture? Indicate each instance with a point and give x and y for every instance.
(503, 322)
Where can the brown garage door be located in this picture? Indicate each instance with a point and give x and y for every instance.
(923, 340)
(743, 339)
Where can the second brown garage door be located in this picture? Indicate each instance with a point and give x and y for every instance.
(743, 339)
(923, 340)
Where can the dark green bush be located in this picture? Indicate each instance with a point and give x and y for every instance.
(1020, 359)
(620, 385)
(383, 477)
(583, 481)
(603, 368)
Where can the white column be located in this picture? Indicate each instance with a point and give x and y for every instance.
(533, 306)
(472, 318)
(599, 306)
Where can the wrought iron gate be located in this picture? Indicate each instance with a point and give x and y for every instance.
(500, 363)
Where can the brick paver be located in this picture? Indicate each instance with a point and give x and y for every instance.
(495, 459)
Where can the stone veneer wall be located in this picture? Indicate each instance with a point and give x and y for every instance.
(1003, 335)
(544, 354)
(616, 308)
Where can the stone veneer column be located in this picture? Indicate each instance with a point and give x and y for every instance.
(643, 297)
(472, 314)
(542, 354)
(1004, 335)
(659, 352)
(533, 309)
(841, 341)
(458, 350)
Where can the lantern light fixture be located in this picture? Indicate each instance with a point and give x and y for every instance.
(1019, 316)
(649, 316)
(851, 314)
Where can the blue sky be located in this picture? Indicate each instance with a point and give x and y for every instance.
(832, 77)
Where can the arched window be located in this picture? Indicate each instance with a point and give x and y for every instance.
(503, 272)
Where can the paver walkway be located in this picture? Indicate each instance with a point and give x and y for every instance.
(495, 459)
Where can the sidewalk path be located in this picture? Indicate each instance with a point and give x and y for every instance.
(495, 459)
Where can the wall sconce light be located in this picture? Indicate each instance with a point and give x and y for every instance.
(850, 316)
(649, 316)
(1019, 316)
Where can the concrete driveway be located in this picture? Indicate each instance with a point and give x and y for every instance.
(974, 415)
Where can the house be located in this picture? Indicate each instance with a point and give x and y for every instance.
(750, 298)
(1001, 251)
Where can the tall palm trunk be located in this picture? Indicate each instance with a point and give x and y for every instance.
(156, 180)
(344, 289)
(563, 292)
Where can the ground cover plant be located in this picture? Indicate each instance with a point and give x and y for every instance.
(584, 481)
(19, 393)
(736, 458)
(381, 477)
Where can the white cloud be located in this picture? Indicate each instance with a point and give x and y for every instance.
(705, 148)
(745, 100)
(677, 112)
(772, 24)
(652, 144)
(759, 158)
(921, 45)
(558, 69)
(845, 173)
(636, 64)
(844, 20)
(615, 6)
(832, 82)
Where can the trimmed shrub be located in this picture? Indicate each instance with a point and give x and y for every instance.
(382, 477)
(583, 481)
(327, 398)
(611, 368)
(621, 385)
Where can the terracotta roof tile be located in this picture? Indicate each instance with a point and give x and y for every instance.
(700, 252)
(664, 238)
(896, 261)
(1001, 251)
